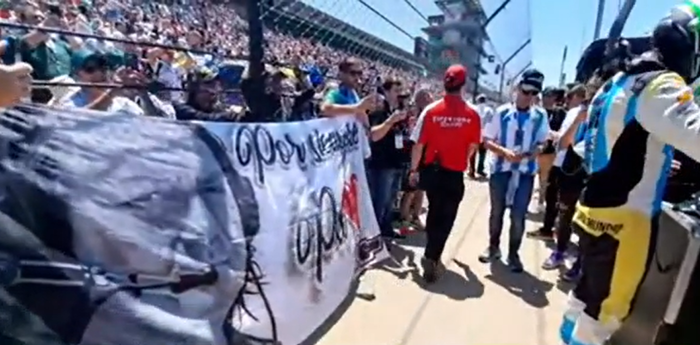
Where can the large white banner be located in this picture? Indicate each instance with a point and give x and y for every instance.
(119, 230)
(317, 225)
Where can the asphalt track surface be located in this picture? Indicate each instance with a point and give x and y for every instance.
(472, 304)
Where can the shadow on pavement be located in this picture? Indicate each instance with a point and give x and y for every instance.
(326, 326)
(401, 262)
(452, 284)
(479, 178)
(535, 217)
(529, 288)
(565, 286)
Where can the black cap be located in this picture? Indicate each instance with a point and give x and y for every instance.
(551, 90)
(532, 80)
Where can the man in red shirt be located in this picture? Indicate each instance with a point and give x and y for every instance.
(446, 134)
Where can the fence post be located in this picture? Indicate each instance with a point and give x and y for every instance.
(256, 54)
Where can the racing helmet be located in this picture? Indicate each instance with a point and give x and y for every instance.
(677, 39)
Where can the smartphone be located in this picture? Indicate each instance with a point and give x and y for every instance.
(377, 85)
(131, 60)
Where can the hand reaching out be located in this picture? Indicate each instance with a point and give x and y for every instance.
(397, 117)
(16, 81)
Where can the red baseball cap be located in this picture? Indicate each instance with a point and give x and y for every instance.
(455, 76)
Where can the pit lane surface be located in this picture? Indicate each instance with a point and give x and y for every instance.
(472, 304)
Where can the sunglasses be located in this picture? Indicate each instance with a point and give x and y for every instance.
(530, 92)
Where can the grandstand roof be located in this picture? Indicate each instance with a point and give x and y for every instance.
(297, 11)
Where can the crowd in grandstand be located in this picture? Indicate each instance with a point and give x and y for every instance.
(216, 34)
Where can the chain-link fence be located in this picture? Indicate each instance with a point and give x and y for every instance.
(172, 44)
(320, 34)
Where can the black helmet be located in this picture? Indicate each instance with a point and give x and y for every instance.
(677, 40)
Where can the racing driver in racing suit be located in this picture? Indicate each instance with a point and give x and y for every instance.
(632, 126)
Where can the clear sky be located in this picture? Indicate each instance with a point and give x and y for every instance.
(552, 25)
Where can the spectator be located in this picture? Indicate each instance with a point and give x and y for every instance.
(344, 100)
(476, 166)
(552, 192)
(384, 167)
(551, 102)
(570, 182)
(158, 67)
(93, 67)
(412, 198)
(449, 130)
(201, 103)
(49, 54)
(515, 138)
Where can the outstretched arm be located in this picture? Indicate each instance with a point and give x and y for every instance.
(668, 112)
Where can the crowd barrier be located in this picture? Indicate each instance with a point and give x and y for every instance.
(134, 230)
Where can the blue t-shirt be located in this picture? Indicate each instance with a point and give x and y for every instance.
(8, 57)
(343, 96)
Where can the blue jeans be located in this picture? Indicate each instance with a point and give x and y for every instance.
(498, 188)
(383, 187)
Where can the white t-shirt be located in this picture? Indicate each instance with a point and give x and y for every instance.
(485, 113)
(170, 76)
(568, 121)
(118, 104)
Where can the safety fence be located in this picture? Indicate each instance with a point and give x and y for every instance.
(250, 38)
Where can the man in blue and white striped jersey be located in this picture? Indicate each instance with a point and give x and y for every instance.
(514, 137)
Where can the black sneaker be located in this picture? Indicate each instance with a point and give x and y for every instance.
(489, 255)
(541, 234)
(515, 265)
(432, 270)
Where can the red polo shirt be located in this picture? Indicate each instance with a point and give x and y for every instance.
(448, 127)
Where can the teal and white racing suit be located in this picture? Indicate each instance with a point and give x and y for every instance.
(634, 123)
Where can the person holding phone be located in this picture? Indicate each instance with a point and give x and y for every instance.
(345, 100)
(385, 167)
(94, 67)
